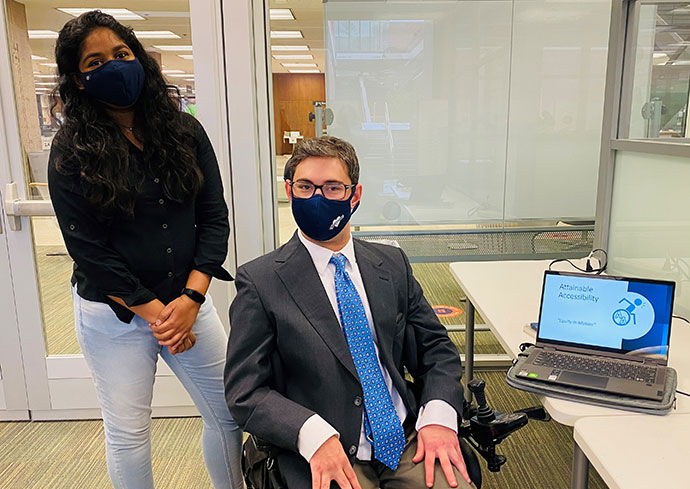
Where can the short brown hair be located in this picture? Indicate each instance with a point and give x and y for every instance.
(328, 147)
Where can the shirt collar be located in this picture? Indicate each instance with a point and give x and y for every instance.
(322, 256)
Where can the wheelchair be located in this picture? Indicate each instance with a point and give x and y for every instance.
(481, 430)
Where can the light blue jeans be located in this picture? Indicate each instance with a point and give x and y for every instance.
(122, 358)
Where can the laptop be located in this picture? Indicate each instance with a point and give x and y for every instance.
(605, 333)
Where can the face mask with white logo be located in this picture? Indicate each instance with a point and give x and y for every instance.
(320, 218)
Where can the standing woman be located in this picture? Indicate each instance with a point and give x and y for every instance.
(138, 195)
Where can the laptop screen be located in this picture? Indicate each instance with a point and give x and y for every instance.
(614, 314)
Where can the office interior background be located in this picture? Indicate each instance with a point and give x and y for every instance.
(485, 130)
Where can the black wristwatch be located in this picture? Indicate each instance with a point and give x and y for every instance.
(194, 295)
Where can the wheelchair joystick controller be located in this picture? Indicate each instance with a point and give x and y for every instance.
(484, 413)
(484, 428)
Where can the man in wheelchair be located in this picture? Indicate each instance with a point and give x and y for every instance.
(324, 330)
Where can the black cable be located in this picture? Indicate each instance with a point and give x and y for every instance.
(681, 318)
(598, 271)
(602, 268)
(683, 393)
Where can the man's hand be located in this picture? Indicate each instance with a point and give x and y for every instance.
(438, 442)
(329, 463)
(175, 321)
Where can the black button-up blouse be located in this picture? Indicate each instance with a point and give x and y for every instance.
(149, 255)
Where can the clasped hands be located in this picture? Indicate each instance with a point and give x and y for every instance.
(329, 462)
(173, 327)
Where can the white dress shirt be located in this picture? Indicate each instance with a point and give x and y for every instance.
(315, 431)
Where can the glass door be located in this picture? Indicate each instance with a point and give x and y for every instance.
(58, 383)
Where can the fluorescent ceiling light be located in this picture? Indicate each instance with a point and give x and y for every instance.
(171, 47)
(118, 13)
(299, 65)
(281, 14)
(293, 56)
(286, 35)
(181, 75)
(42, 34)
(50, 65)
(38, 58)
(167, 72)
(189, 79)
(45, 76)
(45, 84)
(304, 71)
(156, 35)
(289, 48)
(186, 56)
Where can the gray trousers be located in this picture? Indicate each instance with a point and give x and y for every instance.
(409, 475)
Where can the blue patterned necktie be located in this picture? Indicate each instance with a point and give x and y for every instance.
(381, 422)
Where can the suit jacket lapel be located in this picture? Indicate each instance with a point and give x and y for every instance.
(382, 301)
(297, 272)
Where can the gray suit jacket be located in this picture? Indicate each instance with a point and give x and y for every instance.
(288, 359)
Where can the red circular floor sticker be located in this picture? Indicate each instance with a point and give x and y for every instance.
(446, 311)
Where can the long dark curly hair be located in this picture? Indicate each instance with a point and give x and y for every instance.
(90, 141)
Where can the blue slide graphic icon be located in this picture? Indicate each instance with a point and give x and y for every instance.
(622, 316)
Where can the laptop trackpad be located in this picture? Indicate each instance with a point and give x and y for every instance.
(585, 380)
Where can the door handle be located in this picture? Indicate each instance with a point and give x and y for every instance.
(15, 208)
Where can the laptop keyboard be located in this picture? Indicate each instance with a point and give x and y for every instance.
(597, 366)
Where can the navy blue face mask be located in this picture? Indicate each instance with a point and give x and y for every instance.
(320, 218)
(117, 82)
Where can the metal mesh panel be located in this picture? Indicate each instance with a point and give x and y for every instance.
(490, 244)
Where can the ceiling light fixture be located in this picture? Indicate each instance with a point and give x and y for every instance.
(286, 35)
(50, 65)
(281, 14)
(167, 72)
(118, 13)
(181, 75)
(299, 65)
(304, 71)
(186, 56)
(172, 47)
(45, 76)
(38, 58)
(42, 34)
(293, 56)
(289, 48)
(156, 35)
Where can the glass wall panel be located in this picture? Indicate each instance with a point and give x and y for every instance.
(421, 90)
(661, 72)
(465, 116)
(557, 79)
(650, 225)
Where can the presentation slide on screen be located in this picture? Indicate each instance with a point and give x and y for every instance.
(632, 316)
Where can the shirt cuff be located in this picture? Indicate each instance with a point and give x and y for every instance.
(314, 433)
(141, 295)
(437, 412)
(214, 270)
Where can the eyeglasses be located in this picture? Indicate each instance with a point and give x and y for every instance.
(303, 189)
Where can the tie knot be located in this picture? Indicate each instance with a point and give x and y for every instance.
(339, 261)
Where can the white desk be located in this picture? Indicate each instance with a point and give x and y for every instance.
(650, 451)
(507, 295)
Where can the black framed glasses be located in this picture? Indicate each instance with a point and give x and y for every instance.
(303, 189)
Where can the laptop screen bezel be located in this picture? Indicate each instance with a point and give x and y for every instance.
(604, 351)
